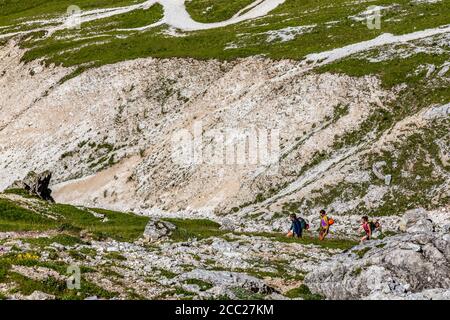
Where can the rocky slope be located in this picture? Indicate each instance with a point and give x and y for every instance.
(107, 137)
(412, 265)
(356, 124)
(43, 246)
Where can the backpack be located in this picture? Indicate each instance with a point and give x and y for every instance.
(372, 226)
(330, 221)
(303, 223)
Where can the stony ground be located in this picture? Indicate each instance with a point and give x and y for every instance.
(126, 257)
(122, 256)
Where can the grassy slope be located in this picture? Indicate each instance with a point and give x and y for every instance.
(14, 10)
(203, 229)
(77, 47)
(51, 285)
(208, 11)
(134, 19)
(15, 216)
(250, 36)
(23, 215)
(26, 215)
(120, 226)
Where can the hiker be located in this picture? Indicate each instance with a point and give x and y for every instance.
(324, 225)
(375, 228)
(297, 226)
(365, 225)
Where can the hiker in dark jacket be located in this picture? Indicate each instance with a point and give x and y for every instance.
(296, 229)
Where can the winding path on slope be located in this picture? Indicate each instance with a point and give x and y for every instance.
(175, 15)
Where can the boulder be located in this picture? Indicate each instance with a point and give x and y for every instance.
(38, 295)
(156, 230)
(410, 265)
(36, 184)
(228, 225)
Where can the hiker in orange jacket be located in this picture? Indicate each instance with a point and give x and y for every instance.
(324, 225)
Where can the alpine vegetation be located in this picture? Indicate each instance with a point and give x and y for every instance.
(224, 149)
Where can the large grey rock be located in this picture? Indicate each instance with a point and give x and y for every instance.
(229, 280)
(156, 230)
(36, 184)
(416, 220)
(38, 295)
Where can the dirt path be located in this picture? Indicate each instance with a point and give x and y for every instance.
(175, 15)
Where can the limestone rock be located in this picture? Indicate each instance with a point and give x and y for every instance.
(36, 184)
(228, 224)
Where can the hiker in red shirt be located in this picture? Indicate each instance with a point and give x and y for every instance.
(366, 227)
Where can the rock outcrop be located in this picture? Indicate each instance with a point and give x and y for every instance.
(38, 295)
(410, 265)
(36, 184)
(156, 230)
(225, 281)
(416, 221)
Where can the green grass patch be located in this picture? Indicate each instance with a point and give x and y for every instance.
(167, 274)
(249, 37)
(4, 268)
(115, 256)
(179, 292)
(362, 252)
(13, 217)
(208, 11)
(58, 288)
(244, 294)
(134, 19)
(14, 11)
(63, 239)
(283, 271)
(195, 228)
(203, 229)
(120, 226)
(202, 284)
(21, 192)
(303, 292)
(331, 243)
